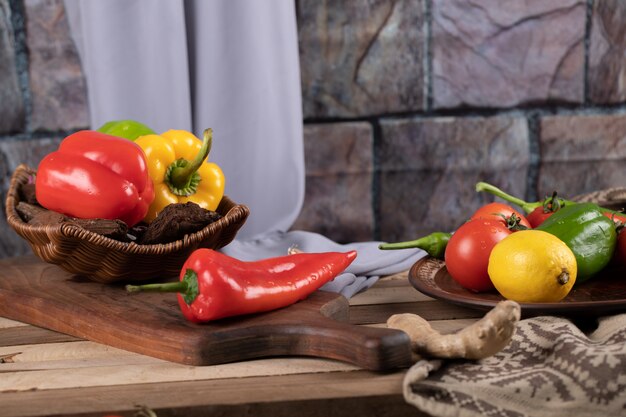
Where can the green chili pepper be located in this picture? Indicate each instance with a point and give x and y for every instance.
(128, 129)
(434, 244)
(588, 233)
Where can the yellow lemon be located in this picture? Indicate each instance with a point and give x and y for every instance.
(532, 266)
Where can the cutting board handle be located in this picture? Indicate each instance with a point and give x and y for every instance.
(372, 348)
(317, 327)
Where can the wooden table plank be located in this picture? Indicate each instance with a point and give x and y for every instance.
(442, 326)
(193, 395)
(159, 372)
(68, 365)
(7, 323)
(388, 295)
(378, 406)
(80, 349)
(27, 335)
(50, 373)
(429, 310)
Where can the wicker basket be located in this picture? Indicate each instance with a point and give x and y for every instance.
(107, 260)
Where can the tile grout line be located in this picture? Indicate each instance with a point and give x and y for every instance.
(522, 111)
(377, 138)
(18, 21)
(427, 59)
(534, 163)
(586, 50)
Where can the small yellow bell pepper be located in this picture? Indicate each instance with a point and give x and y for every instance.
(179, 170)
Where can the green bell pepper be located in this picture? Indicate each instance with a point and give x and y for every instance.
(127, 129)
(589, 234)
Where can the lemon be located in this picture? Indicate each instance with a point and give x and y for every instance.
(532, 266)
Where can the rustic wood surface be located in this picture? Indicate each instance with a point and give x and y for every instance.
(45, 295)
(45, 373)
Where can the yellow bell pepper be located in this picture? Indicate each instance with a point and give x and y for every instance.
(179, 170)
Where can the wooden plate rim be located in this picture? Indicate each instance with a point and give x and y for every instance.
(424, 273)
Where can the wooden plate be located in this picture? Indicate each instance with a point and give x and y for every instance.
(601, 295)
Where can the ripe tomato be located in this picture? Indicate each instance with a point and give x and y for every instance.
(538, 216)
(467, 253)
(497, 210)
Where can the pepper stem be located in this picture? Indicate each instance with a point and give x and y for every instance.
(179, 286)
(182, 176)
(187, 287)
(491, 189)
(434, 244)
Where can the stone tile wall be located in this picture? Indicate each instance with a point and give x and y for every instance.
(407, 104)
(529, 96)
(42, 92)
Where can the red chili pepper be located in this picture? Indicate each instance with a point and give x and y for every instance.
(94, 175)
(213, 285)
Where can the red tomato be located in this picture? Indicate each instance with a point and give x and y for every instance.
(497, 210)
(538, 216)
(467, 253)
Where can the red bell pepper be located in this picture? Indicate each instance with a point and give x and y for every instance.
(94, 175)
(213, 285)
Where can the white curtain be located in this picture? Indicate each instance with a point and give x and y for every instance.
(227, 64)
(232, 65)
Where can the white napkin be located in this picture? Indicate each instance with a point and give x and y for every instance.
(369, 265)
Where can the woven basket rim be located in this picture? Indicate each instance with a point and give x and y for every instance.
(236, 213)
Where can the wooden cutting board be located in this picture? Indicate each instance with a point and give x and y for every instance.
(44, 295)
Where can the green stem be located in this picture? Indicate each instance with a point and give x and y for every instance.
(526, 206)
(181, 176)
(179, 286)
(187, 287)
(434, 244)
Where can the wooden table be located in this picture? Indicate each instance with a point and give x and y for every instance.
(47, 373)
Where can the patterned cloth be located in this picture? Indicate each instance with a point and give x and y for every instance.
(550, 368)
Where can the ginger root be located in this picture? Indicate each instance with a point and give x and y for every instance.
(484, 338)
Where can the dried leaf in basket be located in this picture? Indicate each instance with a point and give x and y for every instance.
(36, 215)
(177, 220)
